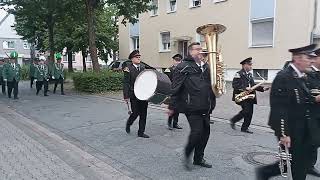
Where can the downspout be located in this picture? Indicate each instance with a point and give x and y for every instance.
(314, 21)
(5, 17)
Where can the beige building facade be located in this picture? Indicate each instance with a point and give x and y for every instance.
(262, 29)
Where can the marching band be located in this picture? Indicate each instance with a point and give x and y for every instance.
(294, 101)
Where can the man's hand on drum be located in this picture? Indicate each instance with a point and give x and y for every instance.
(170, 112)
(126, 100)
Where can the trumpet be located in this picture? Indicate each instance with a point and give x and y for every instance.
(284, 158)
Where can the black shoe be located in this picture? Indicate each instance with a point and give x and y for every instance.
(54, 91)
(176, 126)
(246, 131)
(170, 124)
(143, 135)
(63, 93)
(187, 163)
(203, 163)
(15, 98)
(9, 97)
(260, 175)
(313, 171)
(127, 128)
(46, 95)
(232, 125)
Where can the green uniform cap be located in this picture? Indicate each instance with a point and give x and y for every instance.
(58, 56)
(14, 55)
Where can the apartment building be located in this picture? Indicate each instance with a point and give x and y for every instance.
(262, 29)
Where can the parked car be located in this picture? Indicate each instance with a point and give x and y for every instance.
(119, 65)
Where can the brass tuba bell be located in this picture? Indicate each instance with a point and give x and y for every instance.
(217, 67)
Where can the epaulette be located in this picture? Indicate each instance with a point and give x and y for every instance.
(126, 69)
(237, 75)
(167, 70)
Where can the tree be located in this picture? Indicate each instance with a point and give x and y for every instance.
(128, 9)
(35, 21)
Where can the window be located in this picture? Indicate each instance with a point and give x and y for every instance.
(26, 45)
(217, 1)
(262, 72)
(262, 23)
(135, 43)
(262, 32)
(73, 58)
(65, 58)
(8, 44)
(195, 3)
(154, 5)
(172, 7)
(165, 41)
(88, 58)
(201, 39)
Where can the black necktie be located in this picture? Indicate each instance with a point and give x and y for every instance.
(138, 68)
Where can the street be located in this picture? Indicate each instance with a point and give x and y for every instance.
(93, 126)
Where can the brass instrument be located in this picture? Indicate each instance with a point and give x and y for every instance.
(284, 161)
(247, 94)
(216, 66)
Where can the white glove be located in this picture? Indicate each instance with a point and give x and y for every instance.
(47, 79)
(35, 80)
(52, 77)
(5, 79)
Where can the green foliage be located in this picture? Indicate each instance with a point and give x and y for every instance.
(95, 82)
(25, 72)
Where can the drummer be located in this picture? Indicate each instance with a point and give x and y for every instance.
(138, 107)
(173, 119)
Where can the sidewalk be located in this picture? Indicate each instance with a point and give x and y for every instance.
(23, 157)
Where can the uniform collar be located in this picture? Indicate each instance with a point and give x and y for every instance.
(300, 74)
(135, 65)
(315, 68)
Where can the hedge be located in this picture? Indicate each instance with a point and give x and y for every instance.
(94, 82)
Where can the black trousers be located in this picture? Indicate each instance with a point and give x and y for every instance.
(31, 81)
(314, 156)
(3, 85)
(245, 113)
(13, 85)
(58, 81)
(39, 85)
(139, 108)
(174, 117)
(199, 135)
(301, 160)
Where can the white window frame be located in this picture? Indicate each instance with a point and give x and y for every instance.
(5, 44)
(135, 40)
(164, 47)
(261, 20)
(26, 45)
(218, 1)
(169, 10)
(65, 58)
(193, 2)
(255, 21)
(201, 39)
(154, 11)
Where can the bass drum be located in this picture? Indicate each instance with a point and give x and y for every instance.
(152, 86)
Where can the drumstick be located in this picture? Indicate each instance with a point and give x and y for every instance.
(129, 109)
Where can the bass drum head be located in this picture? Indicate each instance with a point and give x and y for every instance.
(145, 85)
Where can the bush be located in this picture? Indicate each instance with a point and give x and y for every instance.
(93, 82)
(25, 72)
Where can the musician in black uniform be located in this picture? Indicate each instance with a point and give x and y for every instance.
(138, 107)
(169, 71)
(243, 81)
(192, 95)
(313, 83)
(290, 102)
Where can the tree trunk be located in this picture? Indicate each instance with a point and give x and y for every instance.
(84, 57)
(92, 36)
(51, 38)
(70, 65)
